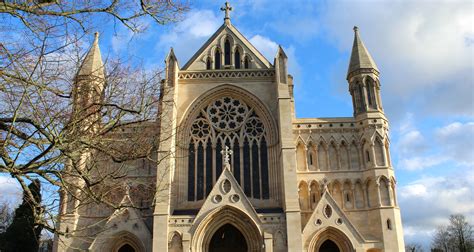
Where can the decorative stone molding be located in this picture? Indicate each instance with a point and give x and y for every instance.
(223, 74)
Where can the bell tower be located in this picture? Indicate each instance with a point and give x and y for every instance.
(363, 78)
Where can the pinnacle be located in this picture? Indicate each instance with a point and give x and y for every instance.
(92, 64)
(360, 56)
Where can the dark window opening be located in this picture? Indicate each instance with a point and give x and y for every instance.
(208, 63)
(246, 150)
(191, 172)
(200, 172)
(246, 62)
(227, 53)
(237, 59)
(217, 59)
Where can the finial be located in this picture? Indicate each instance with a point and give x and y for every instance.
(96, 35)
(226, 153)
(226, 8)
(356, 29)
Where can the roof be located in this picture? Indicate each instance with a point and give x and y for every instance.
(92, 63)
(360, 56)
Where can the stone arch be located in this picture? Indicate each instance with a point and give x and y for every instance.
(322, 156)
(175, 242)
(184, 138)
(379, 150)
(344, 156)
(384, 187)
(303, 195)
(312, 156)
(335, 235)
(205, 230)
(301, 156)
(348, 198)
(333, 156)
(371, 193)
(336, 192)
(315, 194)
(359, 195)
(354, 156)
(124, 238)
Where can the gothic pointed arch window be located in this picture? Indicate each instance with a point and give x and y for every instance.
(246, 62)
(217, 59)
(237, 59)
(228, 122)
(371, 97)
(227, 52)
(208, 63)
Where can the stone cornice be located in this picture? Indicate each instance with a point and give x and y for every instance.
(248, 74)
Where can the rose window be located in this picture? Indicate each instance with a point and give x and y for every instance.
(228, 122)
(227, 113)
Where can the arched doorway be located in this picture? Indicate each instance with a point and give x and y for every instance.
(126, 248)
(229, 239)
(227, 220)
(329, 246)
(330, 239)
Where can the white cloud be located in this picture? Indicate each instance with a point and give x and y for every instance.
(423, 48)
(427, 203)
(420, 163)
(457, 140)
(269, 48)
(187, 36)
(266, 46)
(453, 143)
(10, 190)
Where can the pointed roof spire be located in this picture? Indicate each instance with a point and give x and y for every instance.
(92, 64)
(360, 56)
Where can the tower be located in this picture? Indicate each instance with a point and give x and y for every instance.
(364, 87)
(363, 78)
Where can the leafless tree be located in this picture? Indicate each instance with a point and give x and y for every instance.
(455, 237)
(46, 132)
(413, 247)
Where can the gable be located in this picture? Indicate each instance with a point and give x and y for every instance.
(326, 216)
(237, 43)
(227, 192)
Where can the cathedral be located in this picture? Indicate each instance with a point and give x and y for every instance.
(239, 172)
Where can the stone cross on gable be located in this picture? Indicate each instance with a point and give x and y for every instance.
(227, 8)
(226, 152)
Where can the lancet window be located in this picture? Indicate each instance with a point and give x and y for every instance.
(217, 59)
(228, 122)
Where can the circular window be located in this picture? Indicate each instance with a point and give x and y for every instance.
(227, 113)
(217, 198)
(339, 221)
(234, 198)
(318, 222)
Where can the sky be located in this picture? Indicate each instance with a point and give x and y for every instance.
(423, 49)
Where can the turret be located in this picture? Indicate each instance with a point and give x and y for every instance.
(88, 88)
(363, 78)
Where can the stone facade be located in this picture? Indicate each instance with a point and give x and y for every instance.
(290, 184)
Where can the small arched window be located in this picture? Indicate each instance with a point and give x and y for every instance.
(246, 62)
(208, 63)
(227, 52)
(237, 59)
(367, 156)
(217, 59)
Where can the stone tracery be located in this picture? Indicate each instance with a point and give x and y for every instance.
(228, 121)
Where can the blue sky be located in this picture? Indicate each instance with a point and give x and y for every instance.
(424, 50)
